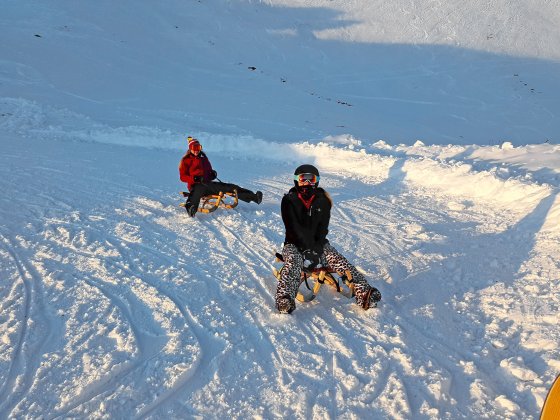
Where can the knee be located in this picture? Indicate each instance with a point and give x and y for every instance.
(291, 254)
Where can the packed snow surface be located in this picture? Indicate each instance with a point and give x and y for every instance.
(434, 126)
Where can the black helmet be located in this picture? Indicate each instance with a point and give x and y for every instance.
(308, 176)
(306, 169)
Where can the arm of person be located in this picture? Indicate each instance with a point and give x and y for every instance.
(184, 172)
(209, 173)
(323, 227)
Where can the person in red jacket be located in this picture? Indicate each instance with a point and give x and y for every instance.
(196, 170)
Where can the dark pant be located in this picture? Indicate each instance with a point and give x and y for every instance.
(214, 188)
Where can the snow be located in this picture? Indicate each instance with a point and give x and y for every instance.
(434, 126)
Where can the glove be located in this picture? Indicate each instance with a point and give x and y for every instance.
(318, 249)
(213, 175)
(310, 259)
(197, 179)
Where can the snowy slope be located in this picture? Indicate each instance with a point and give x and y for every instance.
(115, 304)
(442, 72)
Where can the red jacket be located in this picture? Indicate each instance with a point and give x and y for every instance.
(192, 166)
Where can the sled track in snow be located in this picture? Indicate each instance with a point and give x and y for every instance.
(18, 358)
(25, 362)
(147, 350)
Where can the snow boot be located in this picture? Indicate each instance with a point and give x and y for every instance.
(258, 200)
(369, 299)
(191, 210)
(285, 304)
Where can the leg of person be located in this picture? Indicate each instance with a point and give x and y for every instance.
(198, 191)
(366, 295)
(216, 187)
(290, 278)
(242, 193)
(247, 195)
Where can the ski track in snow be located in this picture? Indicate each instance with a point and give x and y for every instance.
(115, 306)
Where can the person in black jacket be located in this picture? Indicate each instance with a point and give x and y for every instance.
(306, 212)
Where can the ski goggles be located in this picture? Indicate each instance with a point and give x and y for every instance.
(306, 178)
(195, 146)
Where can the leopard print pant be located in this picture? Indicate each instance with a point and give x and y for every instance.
(290, 276)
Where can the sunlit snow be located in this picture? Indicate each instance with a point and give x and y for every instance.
(435, 129)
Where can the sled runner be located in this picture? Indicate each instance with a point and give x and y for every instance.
(341, 282)
(210, 203)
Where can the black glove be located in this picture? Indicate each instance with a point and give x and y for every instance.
(213, 175)
(310, 259)
(318, 249)
(197, 179)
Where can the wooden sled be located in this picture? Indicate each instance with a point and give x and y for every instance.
(342, 282)
(210, 203)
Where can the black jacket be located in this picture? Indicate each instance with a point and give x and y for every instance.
(306, 229)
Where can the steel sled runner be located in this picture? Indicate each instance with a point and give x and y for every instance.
(342, 282)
